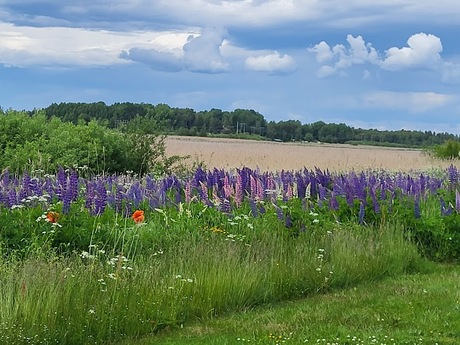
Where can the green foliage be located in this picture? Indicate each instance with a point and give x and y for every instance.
(32, 142)
(436, 234)
(449, 150)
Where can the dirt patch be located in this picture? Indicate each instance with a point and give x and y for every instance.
(274, 156)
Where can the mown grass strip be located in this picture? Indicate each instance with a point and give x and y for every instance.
(410, 309)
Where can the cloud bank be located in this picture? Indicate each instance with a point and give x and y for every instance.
(423, 51)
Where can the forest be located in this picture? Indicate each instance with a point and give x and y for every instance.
(162, 118)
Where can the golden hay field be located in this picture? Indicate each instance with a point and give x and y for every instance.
(274, 156)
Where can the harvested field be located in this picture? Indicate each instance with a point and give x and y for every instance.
(274, 156)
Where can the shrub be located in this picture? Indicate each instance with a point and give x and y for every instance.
(36, 143)
(449, 150)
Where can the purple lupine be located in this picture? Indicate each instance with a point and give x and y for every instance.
(304, 204)
(118, 198)
(238, 191)
(188, 192)
(73, 185)
(422, 183)
(215, 196)
(225, 206)
(48, 186)
(279, 212)
(253, 186)
(3, 199)
(89, 196)
(289, 192)
(288, 221)
(445, 210)
(322, 192)
(375, 202)
(12, 198)
(67, 200)
(260, 192)
(134, 194)
(349, 197)
(68, 191)
(457, 201)
(323, 177)
(25, 184)
(245, 183)
(200, 176)
(204, 197)
(154, 201)
(361, 213)
(300, 186)
(253, 205)
(22, 194)
(36, 186)
(333, 203)
(128, 210)
(261, 208)
(161, 195)
(177, 197)
(270, 187)
(100, 202)
(150, 183)
(61, 180)
(452, 176)
(227, 188)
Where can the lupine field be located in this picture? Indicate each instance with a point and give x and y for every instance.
(91, 259)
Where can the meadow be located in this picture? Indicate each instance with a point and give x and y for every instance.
(122, 258)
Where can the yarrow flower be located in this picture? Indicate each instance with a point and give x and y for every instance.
(138, 216)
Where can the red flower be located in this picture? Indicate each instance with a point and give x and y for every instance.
(52, 217)
(138, 216)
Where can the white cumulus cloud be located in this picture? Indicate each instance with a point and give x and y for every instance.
(358, 52)
(272, 63)
(423, 50)
(322, 51)
(200, 53)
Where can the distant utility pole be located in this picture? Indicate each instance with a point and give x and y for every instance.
(240, 127)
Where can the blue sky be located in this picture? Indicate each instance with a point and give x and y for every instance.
(367, 63)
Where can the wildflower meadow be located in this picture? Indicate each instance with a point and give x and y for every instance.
(95, 259)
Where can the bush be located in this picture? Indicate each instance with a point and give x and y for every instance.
(36, 143)
(448, 150)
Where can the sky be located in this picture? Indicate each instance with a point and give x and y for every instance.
(380, 64)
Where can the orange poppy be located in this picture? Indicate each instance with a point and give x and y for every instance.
(138, 216)
(52, 217)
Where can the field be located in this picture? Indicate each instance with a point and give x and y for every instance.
(249, 248)
(274, 156)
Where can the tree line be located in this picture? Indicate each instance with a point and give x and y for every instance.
(240, 122)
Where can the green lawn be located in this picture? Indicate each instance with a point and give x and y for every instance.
(411, 309)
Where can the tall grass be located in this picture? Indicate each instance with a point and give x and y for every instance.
(99, 297)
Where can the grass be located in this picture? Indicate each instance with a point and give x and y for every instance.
(409, 309)
(101, 297)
